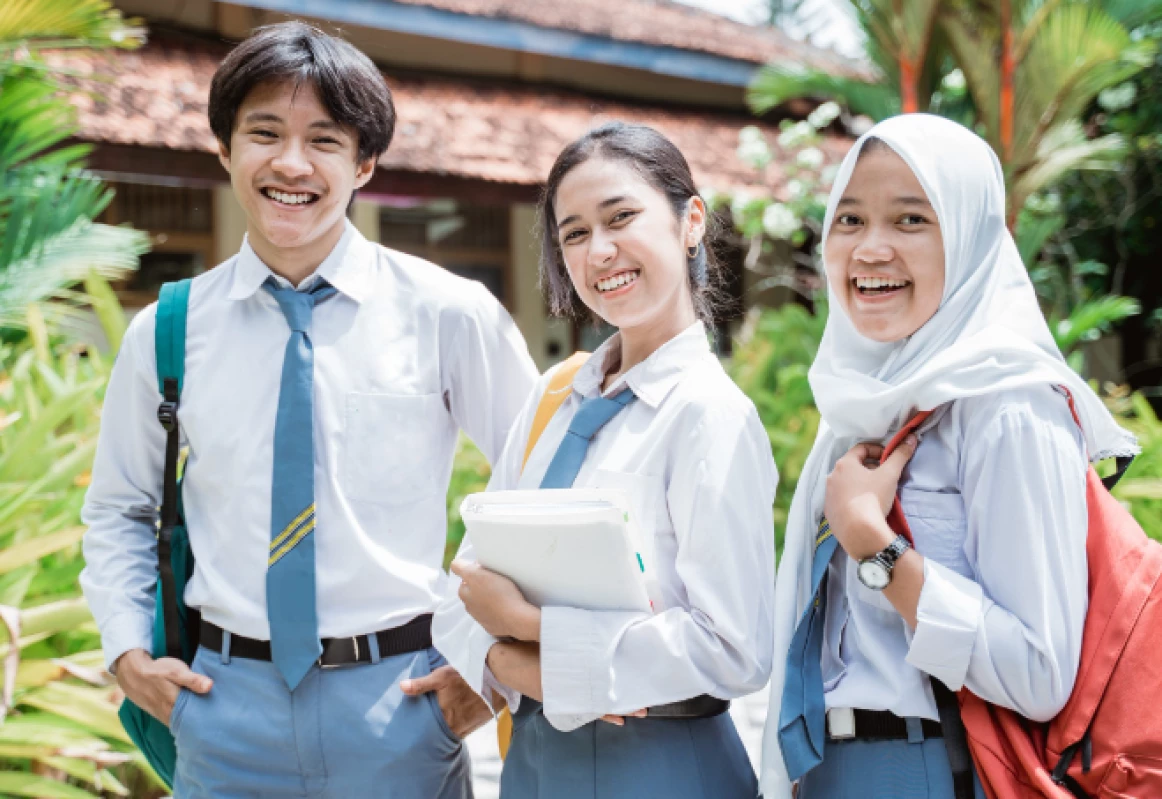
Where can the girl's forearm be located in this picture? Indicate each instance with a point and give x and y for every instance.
(517, 664)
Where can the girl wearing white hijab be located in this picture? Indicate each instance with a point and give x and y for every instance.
(931, 310)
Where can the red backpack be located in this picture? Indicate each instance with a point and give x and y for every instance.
(1107, 740)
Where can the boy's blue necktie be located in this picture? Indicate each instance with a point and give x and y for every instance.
(593, 414)
(803, 714)
(290, 576)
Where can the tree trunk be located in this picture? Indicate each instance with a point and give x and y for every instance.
(909, 91)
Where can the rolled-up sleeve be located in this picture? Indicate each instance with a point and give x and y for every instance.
(719, 496)
(120, 546)
(1013, 635)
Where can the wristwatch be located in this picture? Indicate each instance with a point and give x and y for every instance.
(876, 572)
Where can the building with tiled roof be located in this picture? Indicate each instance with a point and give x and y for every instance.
(487, 93)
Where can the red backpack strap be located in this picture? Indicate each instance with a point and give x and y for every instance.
(1122, 461)
(896, 519)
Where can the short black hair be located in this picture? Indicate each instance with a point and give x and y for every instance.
(661, 164)
(348, 84)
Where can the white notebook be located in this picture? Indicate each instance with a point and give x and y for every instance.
(572, 547)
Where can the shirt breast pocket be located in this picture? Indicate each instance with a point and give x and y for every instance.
(939, 525)
(391, 447)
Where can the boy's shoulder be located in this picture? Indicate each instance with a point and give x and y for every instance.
(430, 282)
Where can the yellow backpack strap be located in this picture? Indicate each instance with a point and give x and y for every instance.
(559, 388)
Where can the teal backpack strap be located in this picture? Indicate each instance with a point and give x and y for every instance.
(170, 346)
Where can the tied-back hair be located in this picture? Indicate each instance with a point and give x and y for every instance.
(663, 166)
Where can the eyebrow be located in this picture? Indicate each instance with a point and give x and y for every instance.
(602, 205)
(266, 116)
(905, 200)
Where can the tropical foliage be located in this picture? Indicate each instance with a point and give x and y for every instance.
(48, 240)
(59, 731)
(1031, 68)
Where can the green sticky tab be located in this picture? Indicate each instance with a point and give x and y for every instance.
(627, 516)
(641, 565)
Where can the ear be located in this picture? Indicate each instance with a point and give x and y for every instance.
(695, 221)
(363, 172)
(223, 156)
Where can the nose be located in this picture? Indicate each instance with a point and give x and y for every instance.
(291, 161)
(602, 248)
(873, 248)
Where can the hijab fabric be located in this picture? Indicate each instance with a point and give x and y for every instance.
(988, 335)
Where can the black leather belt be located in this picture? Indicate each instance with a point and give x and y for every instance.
(411, 637)
(700, 707)
(883, 725)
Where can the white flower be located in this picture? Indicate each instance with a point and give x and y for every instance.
(752, 147)
(796, 189)
(954, 81)
(738, 205)
(779, 221)
(828, 174)
(795, 135)
(1118, 98)
(824, 115)
(811, 158)
(712, 196)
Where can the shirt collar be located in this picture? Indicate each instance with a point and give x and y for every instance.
(652, 379)
(347, 267)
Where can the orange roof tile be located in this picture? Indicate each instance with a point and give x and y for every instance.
(657, 22)
(157, 96)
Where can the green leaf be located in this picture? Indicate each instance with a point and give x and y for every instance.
(17, 784)
(92, 708)
(32, 550)
(775, 84)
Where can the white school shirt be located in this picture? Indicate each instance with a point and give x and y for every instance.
(995, 498)
(405, 355)
(697, 461)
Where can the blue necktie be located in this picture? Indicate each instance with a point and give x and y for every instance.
(803, 715)
(593, 415)
(290, 575)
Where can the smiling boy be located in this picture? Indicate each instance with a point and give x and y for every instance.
(326, 380)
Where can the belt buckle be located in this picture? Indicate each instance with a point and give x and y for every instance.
(841, 723)
(354, 639)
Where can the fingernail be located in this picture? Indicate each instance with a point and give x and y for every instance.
(405, 685)
(912, 439)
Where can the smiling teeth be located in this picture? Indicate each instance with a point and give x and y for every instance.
(617, 281)
(879, 283)
(289, 199)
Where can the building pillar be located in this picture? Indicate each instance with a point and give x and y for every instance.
(365, 217)
(548, 343)
(229, 223)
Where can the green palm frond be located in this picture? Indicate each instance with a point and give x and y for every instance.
(776, 83)
(1061, 150)
(1133, 13)
(32, 25)
(1091, 318)
(65, 258)
(1077, 52)
(971, 38)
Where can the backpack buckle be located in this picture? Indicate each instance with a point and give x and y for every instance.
(167, 414)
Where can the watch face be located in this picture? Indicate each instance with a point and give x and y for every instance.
(873, 574)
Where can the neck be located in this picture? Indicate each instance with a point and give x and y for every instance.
(295, 264)
(642, 341)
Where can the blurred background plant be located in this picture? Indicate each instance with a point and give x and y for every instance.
(59, 732)
(1051, 86)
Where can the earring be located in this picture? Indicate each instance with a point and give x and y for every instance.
(692, 252)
